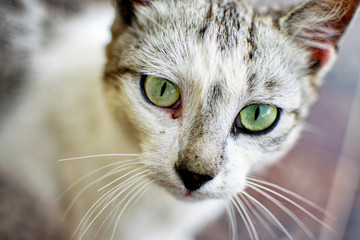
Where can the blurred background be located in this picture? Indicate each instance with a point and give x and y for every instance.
(324, 167)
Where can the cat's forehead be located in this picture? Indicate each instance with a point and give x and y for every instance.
(224, 20)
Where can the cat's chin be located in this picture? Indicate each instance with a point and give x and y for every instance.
(191, 196)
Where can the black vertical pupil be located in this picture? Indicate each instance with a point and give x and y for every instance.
(257, 112)
(163, 88)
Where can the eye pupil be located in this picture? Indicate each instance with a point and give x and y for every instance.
(257, 112)
(163, 88)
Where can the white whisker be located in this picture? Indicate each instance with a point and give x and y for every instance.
(110, 215)
(124, 186)
(233, 227)
(99, 156)
(121, 169)
(130, 179)
(103, 202)
(130, 185)
(291, 193)
(253, 232)
(126, 164)
(78, 195)
(257, 187)
(258, 216)
(286, 210)
(105, 198)
(147, 188)
(242, 215)
(122, 176)
(106, 205)
(116, 208)
(83, 177)
(281, 226)
(128, 202)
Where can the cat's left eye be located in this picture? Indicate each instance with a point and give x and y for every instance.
(257, 118)
(160, 91)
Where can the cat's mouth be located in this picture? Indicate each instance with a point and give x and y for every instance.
(188, 195)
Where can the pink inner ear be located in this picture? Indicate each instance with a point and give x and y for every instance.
(322, 56)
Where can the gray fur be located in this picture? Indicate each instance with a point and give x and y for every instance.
(13, 65)
(25, 26)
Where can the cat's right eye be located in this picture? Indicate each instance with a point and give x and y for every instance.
(257, 118)
(160, 91)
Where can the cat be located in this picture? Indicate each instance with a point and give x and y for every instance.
(159, 138)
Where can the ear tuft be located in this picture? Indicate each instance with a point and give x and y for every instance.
(126, 8)
(319, 25)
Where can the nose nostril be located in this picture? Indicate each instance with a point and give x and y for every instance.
(193, 181)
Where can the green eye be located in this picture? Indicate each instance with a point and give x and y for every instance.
(257, 117)
(161, 92)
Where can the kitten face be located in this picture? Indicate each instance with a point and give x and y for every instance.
(223, 57)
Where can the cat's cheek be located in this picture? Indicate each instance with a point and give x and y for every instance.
(161, 154)
(236, 167)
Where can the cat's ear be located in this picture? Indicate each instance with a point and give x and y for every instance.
(318, 25)
(126, 9)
